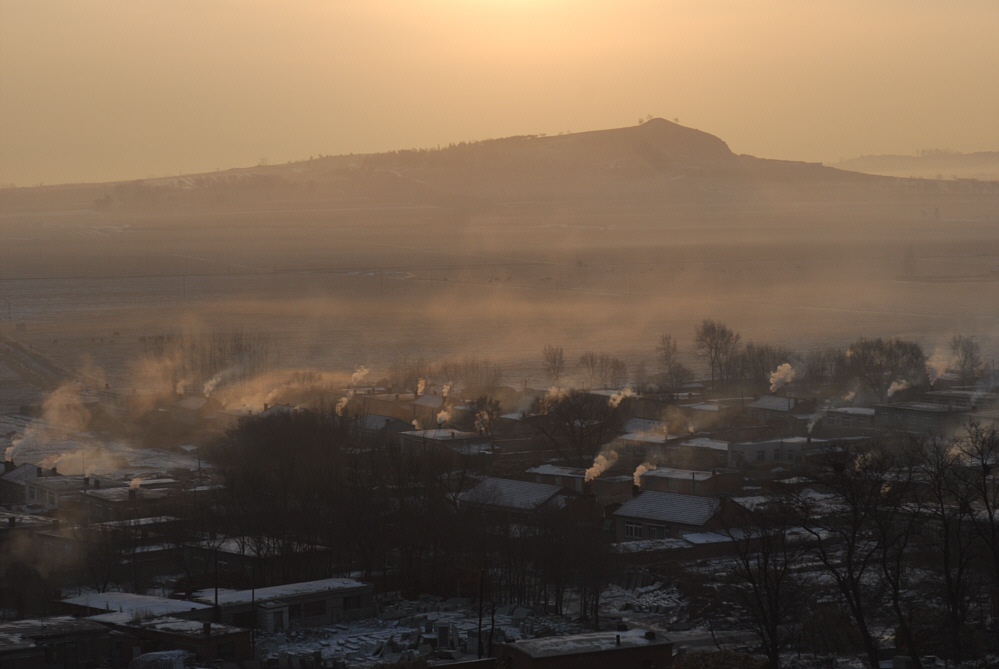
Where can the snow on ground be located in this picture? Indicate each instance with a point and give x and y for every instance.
(409, 628)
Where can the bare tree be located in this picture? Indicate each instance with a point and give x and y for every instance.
(884, 365)
(967, 354)
(554, 361)
(590, 363)
(717, 344)
(765, 561)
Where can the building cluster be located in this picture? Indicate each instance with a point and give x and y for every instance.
(660, 477)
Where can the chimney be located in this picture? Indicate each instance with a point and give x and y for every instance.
(265, 406)
(54, 471)
(206, 627)
(617, 640)
(86, 482)
(650, 635)
(97, 483)
(38, 472)
(8, 466)
(11, 521)
(131, 493)
(636, 490)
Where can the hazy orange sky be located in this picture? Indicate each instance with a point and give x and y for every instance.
(96, 90)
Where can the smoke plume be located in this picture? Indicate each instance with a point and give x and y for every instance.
(358, 375)
(616, 399)
(781, 376)
(897, 386)
(641, 469)
(601, 463)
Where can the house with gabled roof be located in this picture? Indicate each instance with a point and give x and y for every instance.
(516, 500)
(660, 515)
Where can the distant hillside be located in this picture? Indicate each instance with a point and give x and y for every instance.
(655, 162)
(983, 165)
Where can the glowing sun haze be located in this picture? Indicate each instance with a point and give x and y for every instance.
(112, 89)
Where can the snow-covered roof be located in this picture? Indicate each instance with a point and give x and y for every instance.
(773, 403)
(191, 403)
(132, 604)
(699, 538)
(594, 642)
(440, 434)
(646, 437)
(704, 442)
(429, 401)
(853, 411)
(555, 470)
(670, 507)
(670, 473)
(231, 597)
(511, 494)
(374, 421)
(646, 425)
(21, 473)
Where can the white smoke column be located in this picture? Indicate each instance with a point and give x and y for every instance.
(416, 424)
(849, 396)
(897, 386)
(937, 364)
(554, 394)
(641, 469)
(358, 375)
(616, 399)
(341, 405)
(600, 464)
(134, 483)
(421, 385)
(443, 417)
(446, 390)
(784, 374)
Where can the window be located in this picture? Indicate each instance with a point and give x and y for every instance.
(657, 532)
(633, 530)
(761, 455)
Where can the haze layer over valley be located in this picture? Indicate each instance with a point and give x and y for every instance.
(600, 241)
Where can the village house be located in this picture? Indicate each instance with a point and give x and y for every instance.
(513, 501)
(209, 642)
(40, 643)
(626, 649)
(63, 492)
(466, 443)
(920, 417)
(691, 482)
(606, 489)
(851, 418)
(792, 450)
(377, 430)
(307, 604)
(12, 481)
(788, 414)
(662, 515)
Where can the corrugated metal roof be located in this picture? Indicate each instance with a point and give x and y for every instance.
(669, 507)
(511, 494)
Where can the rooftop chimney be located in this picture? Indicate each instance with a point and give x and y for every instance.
(131, 493)
(207, 628)
(8, 465)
